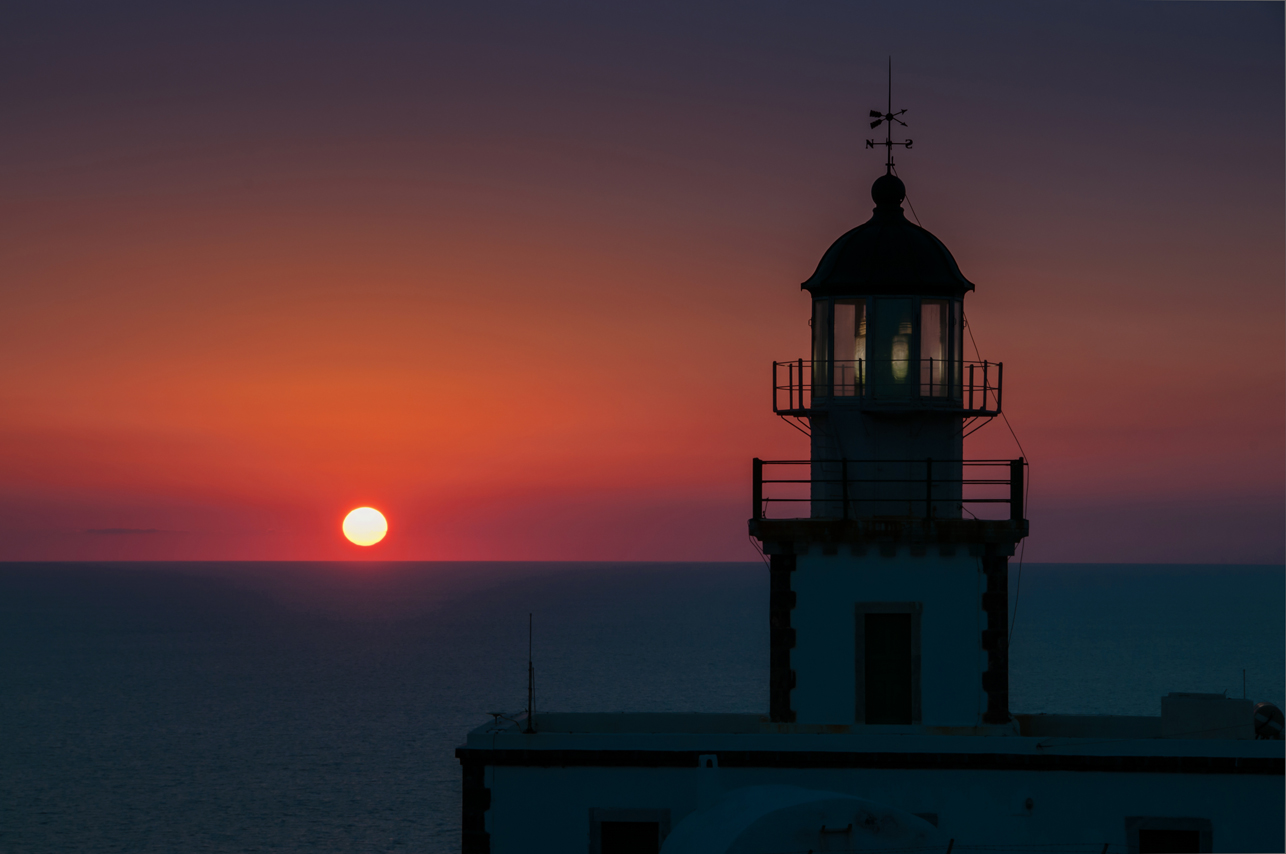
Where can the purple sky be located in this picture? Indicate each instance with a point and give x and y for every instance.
(515, 274)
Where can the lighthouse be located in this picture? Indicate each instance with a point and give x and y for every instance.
(889, 571)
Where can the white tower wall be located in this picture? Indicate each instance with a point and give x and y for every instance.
(947, 591)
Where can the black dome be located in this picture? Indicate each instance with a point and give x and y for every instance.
(888, 254)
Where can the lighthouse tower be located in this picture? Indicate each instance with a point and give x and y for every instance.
(889, 550)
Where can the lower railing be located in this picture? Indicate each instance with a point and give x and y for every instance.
(852, 489)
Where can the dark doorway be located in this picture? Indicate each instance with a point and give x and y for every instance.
(1169, 841)
(888, 669)
(630, 837)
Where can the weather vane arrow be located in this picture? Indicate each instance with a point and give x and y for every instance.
(887, 119)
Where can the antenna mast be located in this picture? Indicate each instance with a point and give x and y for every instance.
(531, 679)
(887, 119)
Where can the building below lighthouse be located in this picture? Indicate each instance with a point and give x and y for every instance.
(889, 725)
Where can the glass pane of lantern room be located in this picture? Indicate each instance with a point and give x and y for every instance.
(821, 347)
(933, 348)
(850, 347)
(890, 348)
(957, 336)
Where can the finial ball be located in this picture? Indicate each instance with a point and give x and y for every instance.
(888, 191)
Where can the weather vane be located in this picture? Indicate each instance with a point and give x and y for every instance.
(889, 117)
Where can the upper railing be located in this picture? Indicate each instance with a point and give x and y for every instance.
(852, 489)
(971, 388)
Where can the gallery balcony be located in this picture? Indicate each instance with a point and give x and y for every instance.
(861, 500)
(893, 386)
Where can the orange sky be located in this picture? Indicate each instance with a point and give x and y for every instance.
(231, 314)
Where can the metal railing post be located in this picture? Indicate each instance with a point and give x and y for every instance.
(1000, 383)
(801, 383)
(757, 488)
(1016, 489)
(971, 367)
(790, 384)
(928, 488)
(774, 389)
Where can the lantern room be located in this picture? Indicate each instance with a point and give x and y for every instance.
(888, 323)
(887, 348)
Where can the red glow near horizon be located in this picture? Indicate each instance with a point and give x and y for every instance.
(545, 334)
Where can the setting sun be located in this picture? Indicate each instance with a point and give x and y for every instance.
(365, 526)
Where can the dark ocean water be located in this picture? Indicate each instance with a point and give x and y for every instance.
(316, 707)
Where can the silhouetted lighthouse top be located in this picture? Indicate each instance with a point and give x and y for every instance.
(888, 255)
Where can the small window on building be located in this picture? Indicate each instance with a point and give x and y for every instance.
(630, 837)
(1169, 841)
(888, 662)
(1149, 835)
(628, 831)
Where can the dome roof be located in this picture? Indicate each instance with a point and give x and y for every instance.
(888, 254)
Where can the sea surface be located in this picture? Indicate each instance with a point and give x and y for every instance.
(316, 707)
